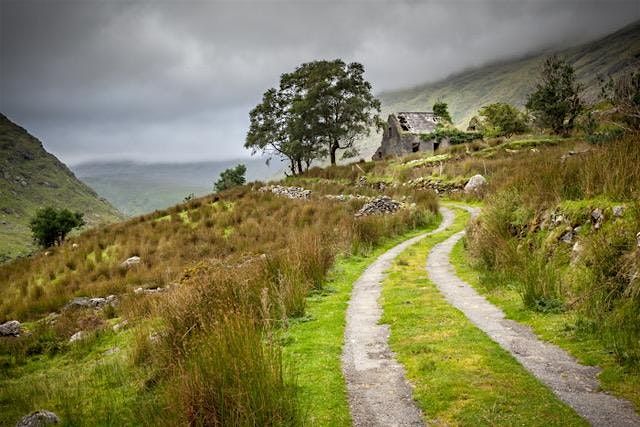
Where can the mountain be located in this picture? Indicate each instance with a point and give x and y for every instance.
(30, 178)
(136, 188)
(511, 81)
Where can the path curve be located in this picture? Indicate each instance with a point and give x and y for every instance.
(379, 394)
(575, 384)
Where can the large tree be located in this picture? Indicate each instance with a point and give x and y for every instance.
(501, 119)
(556, 101)
(230, 178)
(319, 108)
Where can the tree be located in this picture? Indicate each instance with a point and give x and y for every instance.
(624, 95)
(441, 110)
(51, 226)
(502, 119)
(230, 178)
(556, 101)
(319, 108)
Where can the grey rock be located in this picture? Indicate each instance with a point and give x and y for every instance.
(38, 419)
(475, 184)
(10, 328)
(379, 205)
(597, 218)
(87, 302)
(567, 237)
(289, 192)
(576, 250)
(120, 326)
(618, 211)
(78, 336)
(130, 262)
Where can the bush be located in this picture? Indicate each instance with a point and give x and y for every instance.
(50, 226)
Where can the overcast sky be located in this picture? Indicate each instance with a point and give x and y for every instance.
(175, 80)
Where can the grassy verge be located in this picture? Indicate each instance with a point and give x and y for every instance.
(561, 329)
(460, 376)
(313, 344)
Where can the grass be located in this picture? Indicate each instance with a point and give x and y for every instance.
(562, 329)
(460, 376)
(313, 344)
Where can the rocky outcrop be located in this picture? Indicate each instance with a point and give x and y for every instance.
(38, 419)
(87, 302)
(289, 192)
(476, 184)
(379, 205)
(10, 329)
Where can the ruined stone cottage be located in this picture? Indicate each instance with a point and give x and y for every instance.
(403, 135)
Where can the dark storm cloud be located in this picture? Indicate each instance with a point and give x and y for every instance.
(166, 80)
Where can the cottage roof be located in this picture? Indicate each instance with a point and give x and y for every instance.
(417, 122)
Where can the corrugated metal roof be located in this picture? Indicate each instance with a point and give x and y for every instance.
(417, 122)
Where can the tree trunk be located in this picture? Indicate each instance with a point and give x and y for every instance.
(300, 166)
(332, 151)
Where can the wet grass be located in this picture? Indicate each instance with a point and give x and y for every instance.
(313, 344)
(460, 376)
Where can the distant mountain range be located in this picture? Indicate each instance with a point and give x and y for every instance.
(31, 178)
(511, 81)
(136, 188)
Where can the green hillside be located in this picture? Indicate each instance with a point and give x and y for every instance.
(511, 81)
(31, 178)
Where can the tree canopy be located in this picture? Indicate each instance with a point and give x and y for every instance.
(556, 101)
(50, 226)
(319, 108)
(501, 119)
(230, 178)
(441, 110)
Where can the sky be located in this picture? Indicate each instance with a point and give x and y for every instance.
(165, 81)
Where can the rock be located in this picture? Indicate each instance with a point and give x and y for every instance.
(638, 239)
(379, 205)
(87, 302)
(142, 290)
(38, 419)
(130, 262)
(47, 253)
(576, 250)
(475, 184)
(75, 246)
(80, 335)
(10, 329)
(120, 326)
(558, 219)
(289, 192)
(618, 211)
(597, 217)
(567, 237)
(346, 197)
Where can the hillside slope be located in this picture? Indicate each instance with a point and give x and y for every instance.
(30, 178)
(511, 81)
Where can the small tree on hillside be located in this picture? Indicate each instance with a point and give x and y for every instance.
(230, 178)
(441, 110)
(51, 226)
(502, 119)
(556, 101)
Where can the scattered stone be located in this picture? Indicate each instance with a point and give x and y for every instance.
(597, 217)
(289, 192)
(434, 184)
(577, 229)
(347, 197)
(80, 335)
(10, 329)
(618, 211)
(567, 237)
(142, 290)
(572, 153)
(38, 419)
(87, 302)
(379, 205)
(475, 184)
(130, 262)
(111, 351)
(120, 326)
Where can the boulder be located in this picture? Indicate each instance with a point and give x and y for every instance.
(567, 237)
(87, 302)
(10, 329)
(618, 211)
(475, 185)
(38, 419)
(130, 262)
